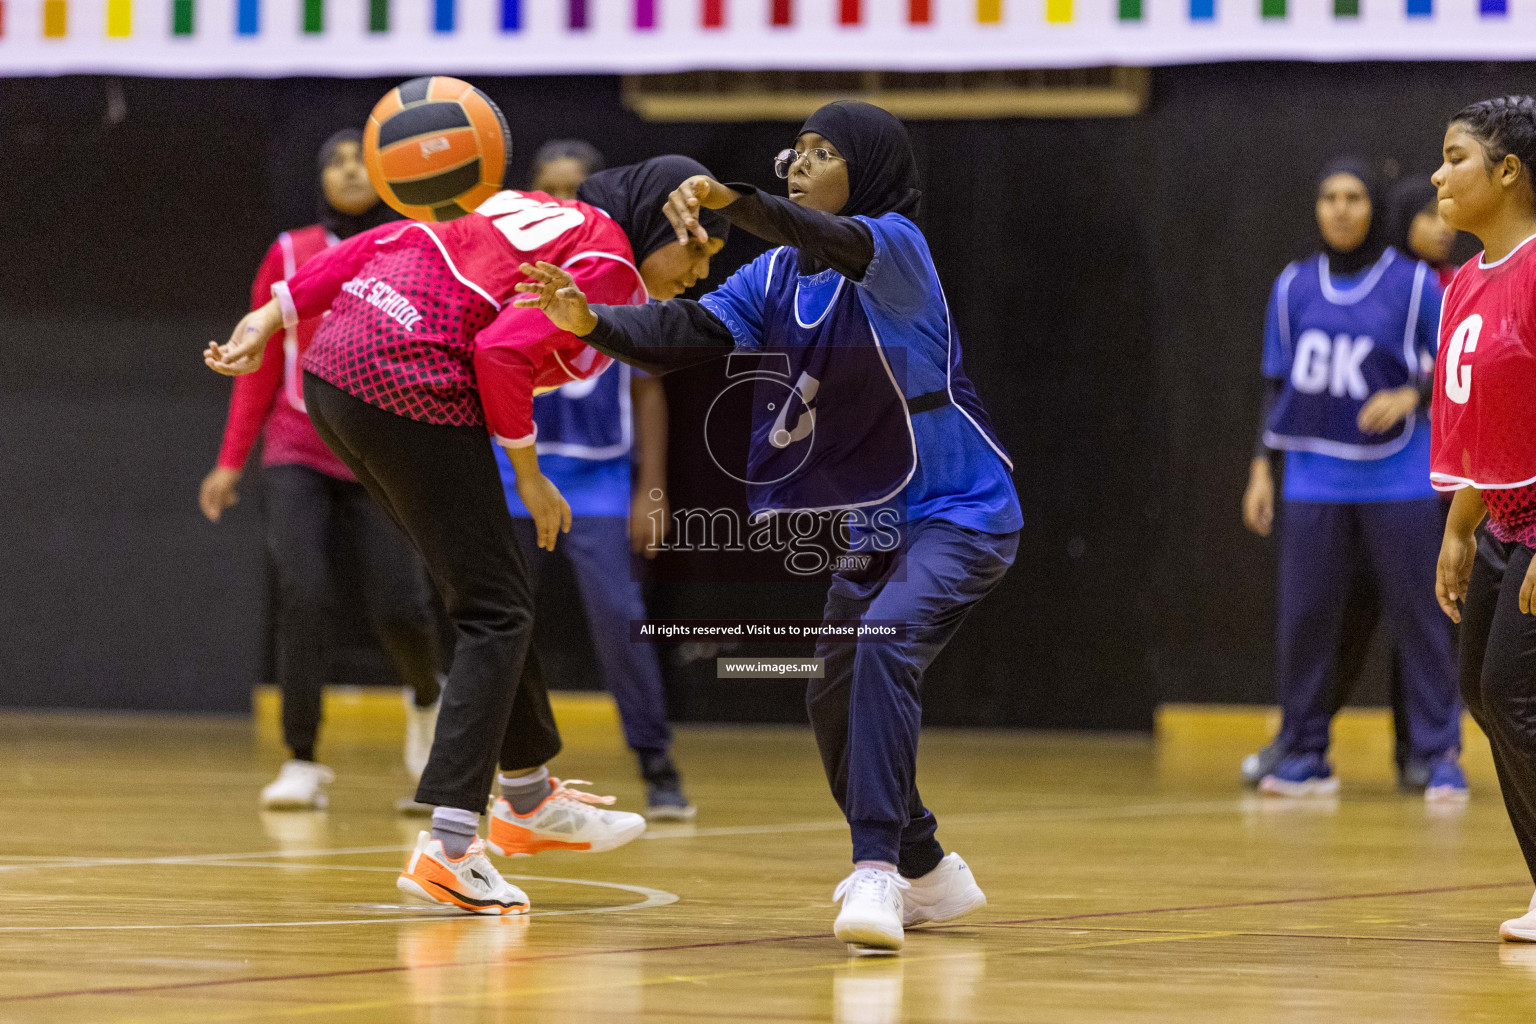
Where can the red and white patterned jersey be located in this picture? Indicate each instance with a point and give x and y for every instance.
(422, 323)
(1483, 430)
(271, 400)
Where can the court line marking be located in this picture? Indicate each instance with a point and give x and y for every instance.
(973, 818)
(742, 942)
(841, 963)
(1332, 936)
(653, 898)
(203, 859)
(666, 832)
(1471, 887)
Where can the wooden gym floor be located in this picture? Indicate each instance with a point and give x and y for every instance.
(1130, 880)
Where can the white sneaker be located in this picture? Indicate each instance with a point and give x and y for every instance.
(563, 821)
(1520, 929)
(299, 786)
(420, 727)
(470, 883)
(943, 894)
(871, 914)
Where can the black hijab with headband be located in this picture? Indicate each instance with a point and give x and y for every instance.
(635, 195)
(345, 225)
(1369, 251)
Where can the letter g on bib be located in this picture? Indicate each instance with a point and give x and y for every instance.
(1458, 378)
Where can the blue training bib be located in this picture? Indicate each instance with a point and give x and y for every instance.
(1342, 345)
(830, 428)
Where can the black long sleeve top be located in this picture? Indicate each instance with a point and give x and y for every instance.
(665, 336)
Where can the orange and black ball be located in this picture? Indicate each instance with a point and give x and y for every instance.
(436, 148)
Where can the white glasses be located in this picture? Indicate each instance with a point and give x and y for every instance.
(819, 159)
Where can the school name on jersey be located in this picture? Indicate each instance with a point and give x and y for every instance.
(385, 299)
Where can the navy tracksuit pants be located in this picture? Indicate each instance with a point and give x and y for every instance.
(598, 550)
(867, 710)
(1320, 543)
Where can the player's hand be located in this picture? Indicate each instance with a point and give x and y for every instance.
(682, 207)
(650, 517)
(1454, 570)
(218, 492)
(555, 292)
(1259, 499)
(1528, 591)
(247, 342)
(551, 512)
(1386, 409)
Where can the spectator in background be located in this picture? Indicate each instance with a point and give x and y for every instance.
(1418, 230)
(561, 165)
(1349, 337)
(311, 499)
(592, 436)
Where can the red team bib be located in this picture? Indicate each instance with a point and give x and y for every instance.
(1483, 430)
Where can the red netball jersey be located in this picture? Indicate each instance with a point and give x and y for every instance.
(422, 323)
(1483, 431)
(271, 400)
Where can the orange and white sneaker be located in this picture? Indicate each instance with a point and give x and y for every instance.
(564, 820)
(470, 883)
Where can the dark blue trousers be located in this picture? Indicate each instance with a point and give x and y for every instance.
(598, 550)
(867, 711)
(1320, 545)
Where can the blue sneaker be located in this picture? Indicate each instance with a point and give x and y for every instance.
(1301, 775)
(1447, 783)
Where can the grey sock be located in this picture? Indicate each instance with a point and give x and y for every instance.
(455, 829)
(526, 792)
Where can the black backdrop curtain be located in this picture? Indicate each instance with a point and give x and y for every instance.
(1108, 278)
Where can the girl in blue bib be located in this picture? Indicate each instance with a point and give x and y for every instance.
(867, 412)
(1350, 338)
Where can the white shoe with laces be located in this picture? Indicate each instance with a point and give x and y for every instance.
(943, 894)
(420, 727)
(564, 820)
(299, 786)
(470, 883)
(1520, 929)
(872, 909)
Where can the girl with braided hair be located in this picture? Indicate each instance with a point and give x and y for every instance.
(1483, 444)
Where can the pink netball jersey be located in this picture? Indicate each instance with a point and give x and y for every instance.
(422, 323)
(270, 402)
(1484, 414)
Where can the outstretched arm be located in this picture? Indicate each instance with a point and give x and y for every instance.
(308, 293)
(842, 243)
(658, 337)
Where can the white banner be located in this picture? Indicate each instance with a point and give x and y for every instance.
(511, 37)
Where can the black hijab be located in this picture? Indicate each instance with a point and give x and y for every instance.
(1369, 251)
(345, 225)
(1410, 197)
(635, 194)
(882, 170)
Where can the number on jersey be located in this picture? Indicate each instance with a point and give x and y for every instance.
(528, 223)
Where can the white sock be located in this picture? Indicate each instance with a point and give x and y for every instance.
(455, 828)
(878, 865)
(525, 792)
